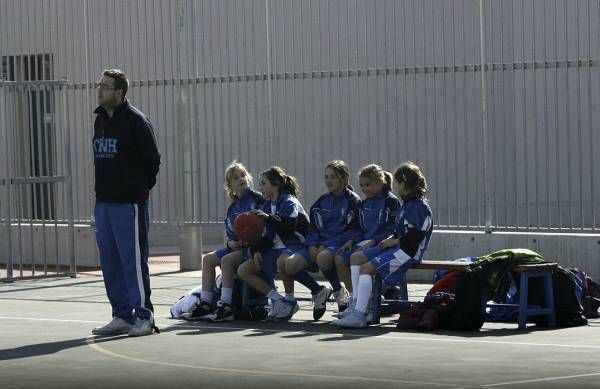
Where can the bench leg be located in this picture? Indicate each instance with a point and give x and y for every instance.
(550, 299)
(523, 293)
(376, 299)
(403, 287)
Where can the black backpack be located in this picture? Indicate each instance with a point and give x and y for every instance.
(465, 313)
(569, 312)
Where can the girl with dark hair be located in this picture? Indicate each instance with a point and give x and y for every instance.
(286, 224)
(333, 223)
(393, 256)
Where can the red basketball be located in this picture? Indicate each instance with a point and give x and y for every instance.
(248, 227)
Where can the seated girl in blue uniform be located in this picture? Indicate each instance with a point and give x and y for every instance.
(393, 256)
(286, 224)
(376, 216)
(238, 183)
(333, 222)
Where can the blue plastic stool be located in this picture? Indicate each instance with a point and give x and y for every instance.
(543, 271)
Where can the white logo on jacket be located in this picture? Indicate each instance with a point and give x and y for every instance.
(105, 147)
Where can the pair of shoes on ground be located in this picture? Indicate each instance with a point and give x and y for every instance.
(204, 311)
(118, 326)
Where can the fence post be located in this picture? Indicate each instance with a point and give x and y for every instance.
(190, 247)
(6, 182)
(69, 179)
(484, 119)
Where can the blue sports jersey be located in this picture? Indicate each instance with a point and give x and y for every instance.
(377, 216)
(250, 200)
(415, 214)
(287, 221)
(334, 219)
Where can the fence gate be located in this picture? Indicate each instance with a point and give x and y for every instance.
(36, 201)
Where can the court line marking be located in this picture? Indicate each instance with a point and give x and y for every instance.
(93, 345)
(541, 380)
(346, 334)
(46, 319)
(96, 347)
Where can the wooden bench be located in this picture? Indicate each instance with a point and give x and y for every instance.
(538, 270)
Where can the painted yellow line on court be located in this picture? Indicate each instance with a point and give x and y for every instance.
(90, 341)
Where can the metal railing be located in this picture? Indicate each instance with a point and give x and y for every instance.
(37, 205)
(494, 99)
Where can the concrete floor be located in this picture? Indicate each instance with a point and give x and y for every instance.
(45, 343)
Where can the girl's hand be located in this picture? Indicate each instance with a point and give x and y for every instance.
(387, 243)
(260, 213)
(346, 247)
(257, 259)
(233, 245)
(367, 245)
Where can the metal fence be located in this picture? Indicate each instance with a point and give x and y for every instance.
(495, 99)
(36, 192)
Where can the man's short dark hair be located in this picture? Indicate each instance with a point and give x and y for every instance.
(121, 81)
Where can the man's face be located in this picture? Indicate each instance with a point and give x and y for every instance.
(108, 96)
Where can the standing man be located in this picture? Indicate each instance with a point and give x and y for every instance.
(126, 161)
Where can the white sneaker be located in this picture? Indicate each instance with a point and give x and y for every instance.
(353, 320)
(143, 327)
(347, 311)
(320, 302)
(342, 298)
(282, 310)
(117, 326)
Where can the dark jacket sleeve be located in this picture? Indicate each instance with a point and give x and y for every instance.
(149, 151)
(409, 242)
(265, 243)
(282, 225)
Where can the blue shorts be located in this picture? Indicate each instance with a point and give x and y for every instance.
(346, 254)
(391, 264)
(220, 253)
(268, 266)
(311, 266)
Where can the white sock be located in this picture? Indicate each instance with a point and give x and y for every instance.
(206, 296)
(273, 295)
(226, 294)
(354, 273)
(365, 287)
(290, 296)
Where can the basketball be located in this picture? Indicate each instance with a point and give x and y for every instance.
(248, 227)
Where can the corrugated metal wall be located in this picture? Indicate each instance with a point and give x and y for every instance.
(301, 82)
